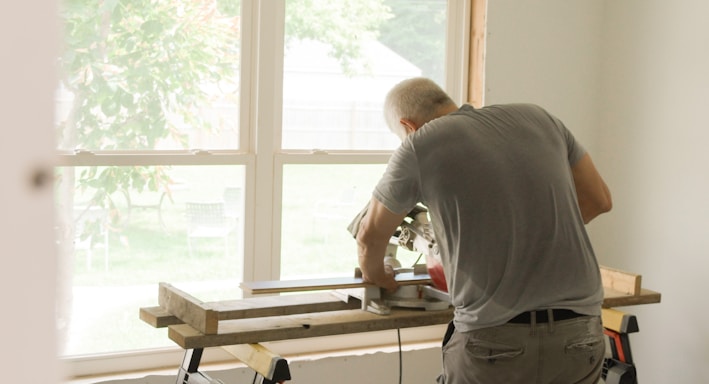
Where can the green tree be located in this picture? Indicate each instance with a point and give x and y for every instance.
(138, 70)
(427, 49)
(343, 24)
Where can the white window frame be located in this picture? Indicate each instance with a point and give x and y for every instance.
(261, 117)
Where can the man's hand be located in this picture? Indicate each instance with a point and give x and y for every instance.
(375, 230)
(385, 280)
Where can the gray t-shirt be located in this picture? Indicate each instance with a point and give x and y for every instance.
(498, 185)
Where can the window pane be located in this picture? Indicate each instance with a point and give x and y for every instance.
(123, 230)
(338, 68)
(319, 202)
(143, 74)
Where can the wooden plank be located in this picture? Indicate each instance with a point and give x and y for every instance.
(248, 331)
(621, 281)
(188, 309)
(158, 317)
(253, 307)
(257, 330)
(326, 301)
(260, 359)
(281, 305)
(278, 286)
(612, 298)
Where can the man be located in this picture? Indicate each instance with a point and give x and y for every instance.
(509, 190)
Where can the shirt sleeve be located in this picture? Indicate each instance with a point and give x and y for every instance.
(399, 188)
(575, 151)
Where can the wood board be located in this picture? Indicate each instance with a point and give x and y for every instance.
(613, 298)
(280, 286)
(621, 281)
(246, 331)
(177, 307)
(264, 306)
(260, 359)
(188, 308)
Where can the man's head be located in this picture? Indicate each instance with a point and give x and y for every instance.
(413, 103)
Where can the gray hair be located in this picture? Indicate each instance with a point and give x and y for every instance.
(418, 99)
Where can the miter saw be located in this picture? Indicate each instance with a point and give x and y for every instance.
(414, 234)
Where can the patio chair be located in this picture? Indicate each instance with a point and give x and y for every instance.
(207, 220)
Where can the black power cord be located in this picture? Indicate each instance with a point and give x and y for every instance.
(401, 360)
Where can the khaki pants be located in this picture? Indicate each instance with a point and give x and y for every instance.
(559, 352)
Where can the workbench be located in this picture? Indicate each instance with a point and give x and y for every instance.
(239, 326)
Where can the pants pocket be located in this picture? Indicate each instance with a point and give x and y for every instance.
(588, 344)
(493, 351)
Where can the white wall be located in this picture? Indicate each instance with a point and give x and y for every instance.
(654, 133)
(27, 280)
(546, 52)
(631, 79)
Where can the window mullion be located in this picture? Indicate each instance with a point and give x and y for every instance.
(265, 260)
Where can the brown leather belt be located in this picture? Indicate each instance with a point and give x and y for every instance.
(543, 317)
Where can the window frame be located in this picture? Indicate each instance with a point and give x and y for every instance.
(264, 161)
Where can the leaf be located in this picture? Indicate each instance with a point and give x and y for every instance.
(151, 28)
(110, 107)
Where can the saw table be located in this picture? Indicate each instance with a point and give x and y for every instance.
(238, 326)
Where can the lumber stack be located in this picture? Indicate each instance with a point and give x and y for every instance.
(195, 324)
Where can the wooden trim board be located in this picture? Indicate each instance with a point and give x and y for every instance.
(279, 286)
(617, 280)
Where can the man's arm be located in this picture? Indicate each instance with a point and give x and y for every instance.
(375, 230)
(593, 195)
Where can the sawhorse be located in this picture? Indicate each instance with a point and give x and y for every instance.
(277, 372)
(619, 367)
(239, 325)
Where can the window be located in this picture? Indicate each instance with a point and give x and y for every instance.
(204, 143)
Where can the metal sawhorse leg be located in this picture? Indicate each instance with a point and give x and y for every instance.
(189, 371)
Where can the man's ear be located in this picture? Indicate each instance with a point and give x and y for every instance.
(409, 125)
